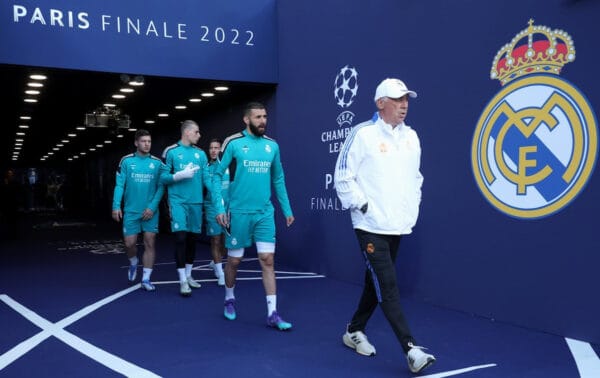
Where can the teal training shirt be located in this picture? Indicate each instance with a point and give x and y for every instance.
(212, 167)
(189, 191)
(139, 182)
(254, 164)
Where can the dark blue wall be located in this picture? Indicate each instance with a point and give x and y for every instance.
(464, 253)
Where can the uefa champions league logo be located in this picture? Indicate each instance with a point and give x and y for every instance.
(345, 86)
(345, 89)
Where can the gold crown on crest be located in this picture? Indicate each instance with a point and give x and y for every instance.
(537, 49)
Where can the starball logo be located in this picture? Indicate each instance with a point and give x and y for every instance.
(535, 144)
(345, 90)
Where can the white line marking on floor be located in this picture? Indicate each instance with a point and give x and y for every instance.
(111, 361)
(240, 279)
(586, 359)
(457, 372)
(56, 329)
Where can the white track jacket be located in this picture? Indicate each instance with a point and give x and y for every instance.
(379, 165)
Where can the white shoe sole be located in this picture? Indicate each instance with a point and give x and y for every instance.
(351, 344)
(425, 365)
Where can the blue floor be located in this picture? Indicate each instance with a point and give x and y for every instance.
(47, 283)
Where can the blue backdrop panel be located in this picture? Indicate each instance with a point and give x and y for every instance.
(207, 39)
(464, 253)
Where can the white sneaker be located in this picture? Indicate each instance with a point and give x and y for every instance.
(417, 359)
(359, 342)
(221, 280)
(184, 289)
(147, 285)
(193, 283)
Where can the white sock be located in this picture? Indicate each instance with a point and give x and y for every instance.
(133, 260)
(147, 273)
(229, 293)
(219, 269)
(188, 270)
(271, 304)
(182, 276)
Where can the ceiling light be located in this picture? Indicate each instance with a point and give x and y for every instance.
(180, 107)
(18, 147)
(50, 153)
(83, 153)
(21, 134)
(23, 127)
(92, 149)
(120, 136)
(163, 115)
(109, 105)
(126, 90)
(71, 135)
(107, 141)
(131, 129)
(32, 92)
(37, 77)
(56, 149)
(80, 128)
(207, 94)
(149, 121)
(65, 141)
(70, 159)
(99, 145)
(30, 100)
(119, 96)
(195, 99)
(18, 140)
(25, 117)
(18, 144)
(137, 81)
(221, 88)
(35, 85)
(60, 145)
(75, 157)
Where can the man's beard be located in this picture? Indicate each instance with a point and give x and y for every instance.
(255, 130)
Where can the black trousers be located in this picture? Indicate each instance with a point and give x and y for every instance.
(381, 288)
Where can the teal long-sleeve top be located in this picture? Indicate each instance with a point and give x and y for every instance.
(188, 191)
(254, 165)
(139, 183)
(224, 185)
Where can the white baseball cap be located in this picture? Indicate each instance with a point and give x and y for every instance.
(393, 88)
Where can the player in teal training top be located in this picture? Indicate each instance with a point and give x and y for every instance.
(254, 165)
(139, 185)
(213, 229)
(185, 201)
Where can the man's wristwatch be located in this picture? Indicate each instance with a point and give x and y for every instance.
(364, 208)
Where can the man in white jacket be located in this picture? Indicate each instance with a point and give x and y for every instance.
(377, 177)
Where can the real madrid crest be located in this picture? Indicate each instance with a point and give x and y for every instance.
(535, 144)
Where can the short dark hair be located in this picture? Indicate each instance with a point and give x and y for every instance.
(140, 133)
(252, 106)
(215, 140)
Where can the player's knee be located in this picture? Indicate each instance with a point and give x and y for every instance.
(266, 259)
